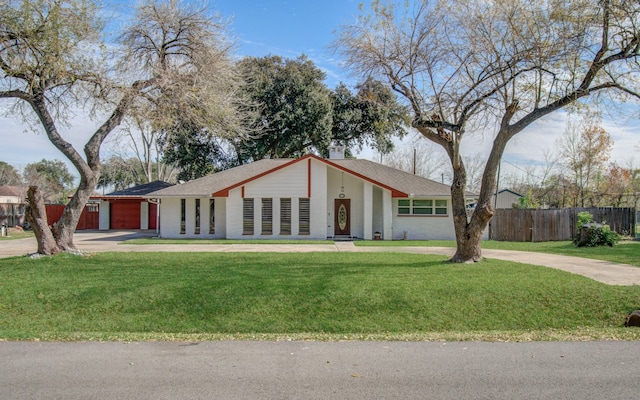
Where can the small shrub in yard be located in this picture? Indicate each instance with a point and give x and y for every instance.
(591, 234)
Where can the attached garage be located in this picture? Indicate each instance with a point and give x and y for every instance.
(128, 209)
(124, 214)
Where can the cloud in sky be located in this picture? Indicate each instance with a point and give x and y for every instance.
(290, 28)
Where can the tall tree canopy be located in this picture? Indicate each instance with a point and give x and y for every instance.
(495, 65)
(369, 116)
(293, 108)
(52, 177)
(196, 151)
(171, 60)
(296, 113)
(8, 175)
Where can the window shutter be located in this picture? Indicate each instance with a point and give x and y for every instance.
(267, 216)
(247, 216)
(305, 217)
(285, 216)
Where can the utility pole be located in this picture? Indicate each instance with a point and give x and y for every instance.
(414, 161)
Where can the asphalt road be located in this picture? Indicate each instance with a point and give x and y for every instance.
(319, 370)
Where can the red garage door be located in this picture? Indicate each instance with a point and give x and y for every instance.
(125, 215)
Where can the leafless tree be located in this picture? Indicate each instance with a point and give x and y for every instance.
(171, 60)
(418, 157)
(498, 65)
(584, 148)
(137, 139)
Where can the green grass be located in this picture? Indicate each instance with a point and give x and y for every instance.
(198, 296)
(626, 252)
(15, 234)
(223, 241)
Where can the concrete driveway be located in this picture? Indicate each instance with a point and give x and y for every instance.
(104, 241)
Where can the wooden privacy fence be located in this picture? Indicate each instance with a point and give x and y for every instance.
(89, 219)
(518, 225)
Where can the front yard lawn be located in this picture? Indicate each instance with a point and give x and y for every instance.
(224, 241)
(14, 234)
(625, 252)
(326, 296)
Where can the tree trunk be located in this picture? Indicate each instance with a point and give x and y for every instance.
(68, 222)
(468, 236)
(468, 232)
(469, 247)
(36, 214)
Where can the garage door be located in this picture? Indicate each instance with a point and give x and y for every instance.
(125, 215)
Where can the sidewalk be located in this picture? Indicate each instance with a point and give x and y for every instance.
(602, 271)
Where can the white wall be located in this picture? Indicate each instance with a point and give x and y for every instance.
(11, 200)
(104, 217)
(429, 227)
(507, 200)
(144, 215)
(170, 218)
(290, 182)
(354, 190)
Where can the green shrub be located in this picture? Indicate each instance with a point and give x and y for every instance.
(592, 235)
(584, 218)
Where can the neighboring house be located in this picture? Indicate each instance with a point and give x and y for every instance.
(506, 198)
(13, 194)
(130, 208)
(12, 205)
(307, 198)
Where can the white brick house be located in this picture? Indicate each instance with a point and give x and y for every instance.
(307, 198)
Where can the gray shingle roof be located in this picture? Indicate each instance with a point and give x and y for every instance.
(17, 191)
(209, 184)
(140, 190)
(399, 181)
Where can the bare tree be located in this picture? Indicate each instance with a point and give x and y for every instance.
(540, 182)
(418, 157)
(172, 59)
(498, 65)
(474, 165)
(138, 139)
(584, 150)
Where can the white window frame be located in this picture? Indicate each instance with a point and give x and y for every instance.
(426, 207)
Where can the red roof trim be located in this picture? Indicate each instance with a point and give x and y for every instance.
(394, 192)
(309, 179)
(107, 197)
(225, 192)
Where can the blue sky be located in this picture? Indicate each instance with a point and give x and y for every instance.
(260, 28)
(290, 28)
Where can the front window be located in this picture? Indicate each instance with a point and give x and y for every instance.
(441, 207)
(422, 207)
